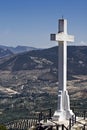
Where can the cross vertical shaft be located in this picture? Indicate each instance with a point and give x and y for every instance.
(62, 74)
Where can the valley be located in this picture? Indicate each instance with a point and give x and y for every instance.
(29, 82)
(27, 94)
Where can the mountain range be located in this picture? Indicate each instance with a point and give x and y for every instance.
(6, 50)
(47, 58)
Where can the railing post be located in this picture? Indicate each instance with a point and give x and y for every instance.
(39, 118)
(75, 118)
(57, 127)
(41, 115)
(70, 124)
(84, 112)
(84, 127)
(62, 126)
(72, 120)
(50, 113)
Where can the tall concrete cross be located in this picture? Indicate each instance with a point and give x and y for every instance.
(63, 110)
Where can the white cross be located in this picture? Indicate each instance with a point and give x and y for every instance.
(63, 98)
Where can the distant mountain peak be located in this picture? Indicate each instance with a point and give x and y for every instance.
(5, 52)
(16, 50)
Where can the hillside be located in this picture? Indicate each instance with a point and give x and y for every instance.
(17, 49)
(5, 53)
(48, 58)
(29, 81)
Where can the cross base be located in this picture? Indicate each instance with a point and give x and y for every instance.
(63, 112)
(62, 115)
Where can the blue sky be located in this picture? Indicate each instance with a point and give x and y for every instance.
(30, 22)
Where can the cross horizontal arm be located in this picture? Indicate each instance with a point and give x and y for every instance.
(62, 37)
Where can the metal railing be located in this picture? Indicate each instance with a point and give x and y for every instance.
(45, 115)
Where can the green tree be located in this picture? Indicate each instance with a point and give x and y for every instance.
(2, 127)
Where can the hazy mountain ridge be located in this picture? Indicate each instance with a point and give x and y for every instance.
(18, 49)
(48, 58)
(5, 52)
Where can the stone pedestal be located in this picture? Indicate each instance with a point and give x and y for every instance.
(64, 112)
